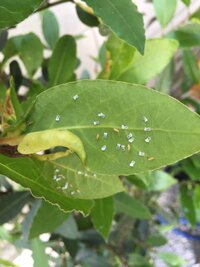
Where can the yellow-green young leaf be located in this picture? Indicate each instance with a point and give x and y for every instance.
(124, 128)
(50, 28)
(63, 61)
(165, 10)
(7, 263)
(123, 18)
(102, 215)
(40, 178)
(12, 12)
(143, 68)
(186, 2)
(121, 55)
(43, 140)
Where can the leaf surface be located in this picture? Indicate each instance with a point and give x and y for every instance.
(12, 12)
(170, 133)
(123, 18)
(143, 68)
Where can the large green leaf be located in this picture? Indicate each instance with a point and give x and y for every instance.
(165, 10)
(50, 28)
(131, 207)
(123, 18)
(12, 12)
(11, 204)
(53, 218)
(143, 68)
(174, 129)
(38, 177)
(102, 215)
(63, 61)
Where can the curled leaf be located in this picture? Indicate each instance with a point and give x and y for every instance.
(43, 140)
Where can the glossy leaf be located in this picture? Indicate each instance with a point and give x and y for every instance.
(63, 61)
(131, 206)
(39, 256)
(187, 35)
(87, 18)
(38, 178)
(11, 205)
(143, 68)
(50, 28)
(122, 104)
(12, 12)
(31, 45)
(165, 10)
(123, 18)
(102, 215)
(46, 219)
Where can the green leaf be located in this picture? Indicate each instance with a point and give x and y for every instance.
(12, 47)
(123, 19)
(11, 204)
(38, 177)
(31, 45)
(12, 12)
(160, 181)
(131, 207)
(87, 18)
(63, 61)
(171, 259)
(121, 55)
(190, 66)
(102, 215)
(136, 260)
(68, 229)
(7, 263)
(53, 218)
(187, 35)
(156, 240)
(187, 204)
(143, 68)
(39, 256)
(172, 138)
(165, 79)
(50, 28)
(186, 2)
(165, 10)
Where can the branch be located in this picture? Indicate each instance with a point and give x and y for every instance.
(48, 5)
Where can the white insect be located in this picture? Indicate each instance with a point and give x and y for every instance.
(101, 115)
(145, 119)
(141, 154)
(105, 135)
(124, 127)
(57, 119)
(96, 123)
(75, 97)
(132, 163)
(147, 129)
(148, 139)
(103, 148)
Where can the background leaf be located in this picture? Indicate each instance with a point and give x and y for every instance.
(87, 18)
(123, 18)
(50, 28)
(102, 215)
(11, 204)
(131, 207)
(165, 10)
(39, 256)
(63, 61)
(143, 68)
(12, 12)
(122, 104)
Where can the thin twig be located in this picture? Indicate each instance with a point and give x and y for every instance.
(52, 4)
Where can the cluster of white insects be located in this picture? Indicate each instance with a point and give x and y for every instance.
(119, 147)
